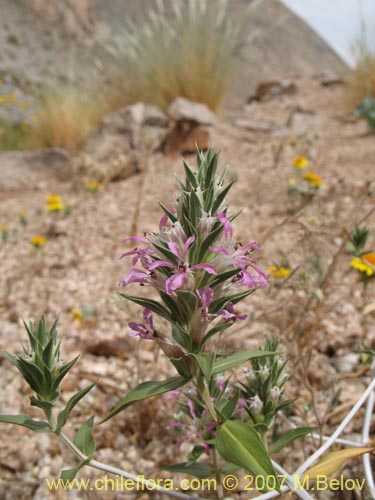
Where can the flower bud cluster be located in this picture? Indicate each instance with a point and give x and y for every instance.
(40, 365)
(262, 388)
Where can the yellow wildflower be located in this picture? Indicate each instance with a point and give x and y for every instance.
(279, 272)
(53, 198)
(362, 267)
(38, 241)
(300, 162)
(92, 185)
(54, 203)
(77, 314)
(313, 179)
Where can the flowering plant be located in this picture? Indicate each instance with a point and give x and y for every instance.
(198, 274)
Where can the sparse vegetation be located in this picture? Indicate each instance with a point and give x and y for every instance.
(362, 81)
(65, 118)
(181, 50)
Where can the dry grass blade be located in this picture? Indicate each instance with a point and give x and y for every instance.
(187, 50)
(65, 118)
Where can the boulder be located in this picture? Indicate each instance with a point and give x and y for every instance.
(113, 151)
(191, 129)
(29, 169)
(266, 91)
(185, 137)
(181, 109)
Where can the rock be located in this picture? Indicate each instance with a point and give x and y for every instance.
(185, 137)
(26, 170)
(329, 79)
(191, 127)
(268, 90)
(108, 348)
(113, 151)
(347, 363)
(181, 109)
(334, 80)
(256, 125)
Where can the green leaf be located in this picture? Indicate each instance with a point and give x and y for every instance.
(240, 444)
(216, 329)
(217, 228)
(30, 372)
(45, 405)
(196, 469)
(219, 304)
(68, 475)
(172, 217)
(149, 304)
(224, 276)
(164, 250)
(221, 197)
(230, 468)
(228, 407)
(289, 436)
(25, 421)
(64, 414)
(205, 362)
(211, 170)
(84, 439)
(190, 177)
(195, 453)
(175, 313)
(147, 390)
(188, 300)
(63, 371)
(234, 360)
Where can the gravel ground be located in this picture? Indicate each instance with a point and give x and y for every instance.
(79, 268)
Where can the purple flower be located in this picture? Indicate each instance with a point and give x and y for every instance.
(228, 230)
(230, 315)
(143, 330)
(142, 254)
(231, 255)
(183, 276)
(136, 276)
(206, 296)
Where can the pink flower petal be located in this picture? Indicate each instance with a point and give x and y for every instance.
(207, 267)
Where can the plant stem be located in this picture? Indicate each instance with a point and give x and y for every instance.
(219, 486)
(138, 479)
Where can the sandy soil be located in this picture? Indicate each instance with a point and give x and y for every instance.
(79, 267)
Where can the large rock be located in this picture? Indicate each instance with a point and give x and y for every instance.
(266, 91)
(191, 129)
(25, 170)
(114, 150)
(182, 109)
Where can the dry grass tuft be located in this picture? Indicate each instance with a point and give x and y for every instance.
(184, 49)
(65, 118)
(362, 81)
